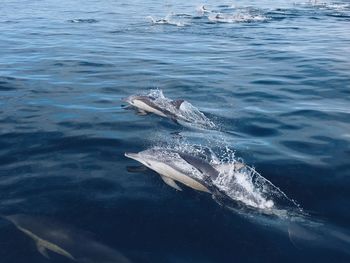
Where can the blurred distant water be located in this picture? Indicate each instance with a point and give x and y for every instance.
(274, 75)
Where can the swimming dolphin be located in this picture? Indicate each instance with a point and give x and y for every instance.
(226, 182)
(165, 21)
(180, 111)
(158, 21)
(218, 17)
(171, 167)
(147, 104)
(203, 10)
(65, 241)
(175, 166)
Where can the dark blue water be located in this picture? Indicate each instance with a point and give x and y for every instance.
(275, 77)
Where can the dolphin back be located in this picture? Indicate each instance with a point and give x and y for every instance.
(177, 103)
(202, 166)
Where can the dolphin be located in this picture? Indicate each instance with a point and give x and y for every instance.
(171, 167)
(68, 242)
(158, 21)
(175, 166)
(165, 21)
(148, 104)
(203, 10)
(313, 235)
(180, 111)
(224, 181)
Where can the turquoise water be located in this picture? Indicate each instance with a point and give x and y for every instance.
(273, 75)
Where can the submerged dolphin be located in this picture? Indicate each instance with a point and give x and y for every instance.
(174, 166)
(65, 241)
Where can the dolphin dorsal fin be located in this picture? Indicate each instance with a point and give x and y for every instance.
(201, 165)
(171, 183)
(177, 103)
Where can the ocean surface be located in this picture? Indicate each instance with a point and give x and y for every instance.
(274, 77)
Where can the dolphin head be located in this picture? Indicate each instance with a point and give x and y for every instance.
(17, 220)
(169, 164)
(130, 99)
(142, 157)
(133, 99)
(153, 157)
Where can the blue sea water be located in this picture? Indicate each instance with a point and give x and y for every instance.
(273, 75)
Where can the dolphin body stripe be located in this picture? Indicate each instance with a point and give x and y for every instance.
(191, 171)
(170, 173)
(146, 104)
(206, 169)
(201, 165)
(149, 106)
(162, 112)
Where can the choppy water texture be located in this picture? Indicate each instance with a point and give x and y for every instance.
(272, 75)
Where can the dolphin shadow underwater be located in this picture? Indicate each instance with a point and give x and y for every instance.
(73, 244)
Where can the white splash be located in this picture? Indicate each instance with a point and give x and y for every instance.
(237, 181)
(240, 187)
(236, 18)
(242, 183)
(336, 6)
(187, 114)
(168, 20)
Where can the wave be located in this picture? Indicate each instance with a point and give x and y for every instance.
(337, 6)
(237, 18)
(332, 9)
(246, 14)
(221, 14)
(232, 14)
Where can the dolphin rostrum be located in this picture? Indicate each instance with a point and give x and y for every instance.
(68, 242)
